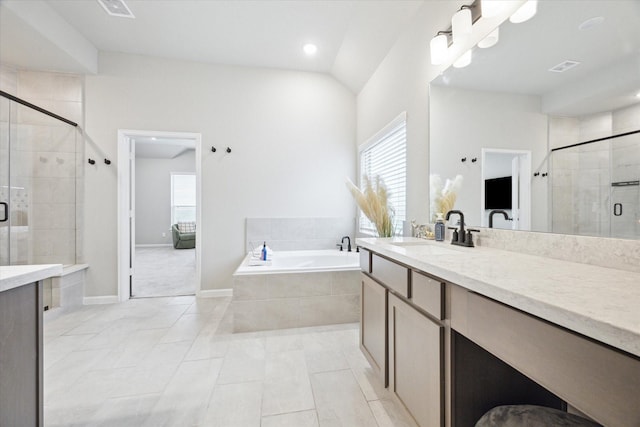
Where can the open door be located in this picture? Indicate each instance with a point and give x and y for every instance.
(521, 192)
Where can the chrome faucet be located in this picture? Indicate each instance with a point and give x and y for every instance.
(459, 236)
(497, 211)
(348, 243)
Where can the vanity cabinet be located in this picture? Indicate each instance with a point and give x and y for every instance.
(373, 326)
(415, 362)
(402, 336)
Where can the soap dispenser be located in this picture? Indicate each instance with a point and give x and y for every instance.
(439, 227)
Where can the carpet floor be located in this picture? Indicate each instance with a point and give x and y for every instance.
(164, 271)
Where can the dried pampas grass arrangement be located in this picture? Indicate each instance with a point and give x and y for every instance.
(374, 203)
(443, 197)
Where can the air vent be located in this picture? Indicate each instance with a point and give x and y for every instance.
(563, 66)
(116, 8)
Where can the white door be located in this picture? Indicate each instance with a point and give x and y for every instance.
(521, 192)
(132, 213)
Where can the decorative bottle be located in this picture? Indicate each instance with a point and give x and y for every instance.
(439, 228)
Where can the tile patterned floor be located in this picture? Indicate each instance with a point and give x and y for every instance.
(174, 362)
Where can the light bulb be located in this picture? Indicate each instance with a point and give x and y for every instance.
(491, 8)
(439, 47)
(464, 60)
(490, 40)
(526, 12)
(461, 25)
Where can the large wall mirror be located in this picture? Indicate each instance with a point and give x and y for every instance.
(530, 123)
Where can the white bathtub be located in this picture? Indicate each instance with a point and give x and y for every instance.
(304, 262)
(299, 289)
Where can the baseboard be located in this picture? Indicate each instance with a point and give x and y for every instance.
(214, 293)
(108, 299)
(154, 245)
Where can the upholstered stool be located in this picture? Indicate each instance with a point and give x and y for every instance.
(531, 416)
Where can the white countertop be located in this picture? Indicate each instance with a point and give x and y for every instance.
(601, 303)
(13, 276)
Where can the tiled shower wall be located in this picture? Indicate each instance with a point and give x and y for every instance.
(46, 167)
(288, 234)
(581, 177)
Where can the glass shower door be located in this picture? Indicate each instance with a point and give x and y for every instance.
(4, 180)
(625, 187)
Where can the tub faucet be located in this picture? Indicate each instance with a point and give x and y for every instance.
(497, 211)
(348, 243)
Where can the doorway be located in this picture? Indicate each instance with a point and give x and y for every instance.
(148, 210)
(506, 185)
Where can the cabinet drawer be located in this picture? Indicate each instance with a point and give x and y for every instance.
(394, 276)
(427, 294)
(365, 260)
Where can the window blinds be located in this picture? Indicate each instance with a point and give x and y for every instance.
(385, 155)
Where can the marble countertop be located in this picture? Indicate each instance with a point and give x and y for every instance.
(13, 276)
(598, 302)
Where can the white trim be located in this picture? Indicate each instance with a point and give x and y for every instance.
(108, 299)
(155, 245)
(124, 246)
(402, 117)
(214, 293)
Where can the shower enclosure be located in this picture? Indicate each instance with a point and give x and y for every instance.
(40, 175)
(596, 187)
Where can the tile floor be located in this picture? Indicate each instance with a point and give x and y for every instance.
(164, 271)
(174, 362)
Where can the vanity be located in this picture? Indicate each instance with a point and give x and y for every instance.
(455, 331)
(21, 343)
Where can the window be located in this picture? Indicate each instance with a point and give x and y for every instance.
(385, 154)
(183, 197)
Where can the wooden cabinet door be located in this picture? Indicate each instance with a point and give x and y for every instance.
(415, 362)
(373, 325)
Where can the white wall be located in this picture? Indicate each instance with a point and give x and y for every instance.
(153, 196)
(291, 134)
(465, 121)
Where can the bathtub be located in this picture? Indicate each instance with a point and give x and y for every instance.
(298, 289)
(303, 261)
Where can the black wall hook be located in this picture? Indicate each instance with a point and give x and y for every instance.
(536, 174)
(92, 162)
(544, 174)
(475, 159)
(213, 149)
(107, 161)
(464, 159)
(228, 150)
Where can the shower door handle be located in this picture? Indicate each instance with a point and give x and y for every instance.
(5, 210)
(617, 209)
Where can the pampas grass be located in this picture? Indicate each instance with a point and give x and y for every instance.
(443, 197)
(373, 201)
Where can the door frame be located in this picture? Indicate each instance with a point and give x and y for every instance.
(124, 193)
(525, 180)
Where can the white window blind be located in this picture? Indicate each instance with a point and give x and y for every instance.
(385, 155)
(183, 197)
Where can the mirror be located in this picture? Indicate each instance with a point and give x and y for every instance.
(568, 75)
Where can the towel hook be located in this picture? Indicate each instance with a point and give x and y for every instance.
(228, 150)
(213, 149)
(92, 162)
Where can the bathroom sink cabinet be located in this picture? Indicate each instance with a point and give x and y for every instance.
(449, 354)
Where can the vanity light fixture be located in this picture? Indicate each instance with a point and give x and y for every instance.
(310, 49)
(464, 60)
(525, 12)
(490, 40)
(439, 46)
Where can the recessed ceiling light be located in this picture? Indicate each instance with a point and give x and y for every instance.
(310, 49)
(591, 22)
